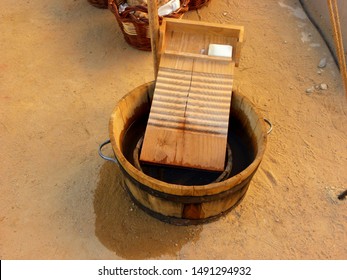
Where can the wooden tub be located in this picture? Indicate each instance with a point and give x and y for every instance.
(175, 203)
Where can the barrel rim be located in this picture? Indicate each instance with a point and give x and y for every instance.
(176, 189)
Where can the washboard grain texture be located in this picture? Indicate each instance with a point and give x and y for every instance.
(189, 116)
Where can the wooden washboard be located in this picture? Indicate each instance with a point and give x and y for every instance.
(189, 116)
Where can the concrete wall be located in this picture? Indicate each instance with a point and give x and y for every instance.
(318, 10)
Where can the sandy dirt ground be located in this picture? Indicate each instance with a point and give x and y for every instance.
(63, 66)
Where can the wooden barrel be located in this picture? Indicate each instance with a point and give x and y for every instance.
(181, 204)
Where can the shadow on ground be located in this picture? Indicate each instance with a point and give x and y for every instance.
(125, 229)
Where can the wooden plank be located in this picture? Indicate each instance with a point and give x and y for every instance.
(177, 42)
(183, 148)
(199, 56)
(215, 33)
(162, 39)
(199, 27)
(154, 34)
(211, 88)
(189, 117)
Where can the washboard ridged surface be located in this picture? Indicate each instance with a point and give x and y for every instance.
(189, 116)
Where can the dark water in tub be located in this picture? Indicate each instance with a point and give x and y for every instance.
(242, 156)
